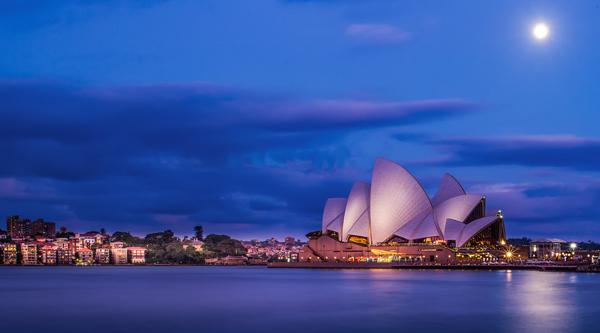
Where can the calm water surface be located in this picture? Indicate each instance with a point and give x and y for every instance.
(256, 299)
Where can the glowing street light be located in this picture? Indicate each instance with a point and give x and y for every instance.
(573, 246)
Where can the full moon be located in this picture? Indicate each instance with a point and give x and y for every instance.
(541, 31)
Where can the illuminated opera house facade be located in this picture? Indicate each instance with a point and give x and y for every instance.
(393, 219)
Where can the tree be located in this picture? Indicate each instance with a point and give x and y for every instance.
(126, 237)
(103, 231)
(519, 241)
(63, 233)
(173, 253)
(223, 245)
(164, 237)
(199, 231)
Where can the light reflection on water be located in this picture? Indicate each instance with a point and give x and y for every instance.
(543, 300)
(251, 299)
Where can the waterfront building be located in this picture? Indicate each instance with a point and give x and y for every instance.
(118, 256)
(84, 256)
(271, 249)
(393, 219)
(228, 261)
(546, 249)
(43, 228)
(234, 260)
(196, 244)
(137, 255)
(102, 255)
(48, 254)
(75, 244)
(117, 245)
(91, 238)
(17, 227)
(29, 254)
(8, 253)
(64, 256)
(65, 253)
(211, 261)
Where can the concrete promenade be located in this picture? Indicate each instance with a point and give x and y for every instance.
(372, 265)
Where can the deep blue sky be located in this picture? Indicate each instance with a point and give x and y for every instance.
(244, 116)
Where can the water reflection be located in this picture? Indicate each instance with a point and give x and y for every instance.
(541, 302)
(235, 299)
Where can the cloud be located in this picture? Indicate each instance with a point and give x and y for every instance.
(564, 151)
(376, 33)
(554, 208)
(202, 121)
(15, 189)
(142, 158)
(137, 156)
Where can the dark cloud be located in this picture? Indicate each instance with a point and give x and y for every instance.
(152, 155)
(91, 129)
(530, 151)
(548, 208)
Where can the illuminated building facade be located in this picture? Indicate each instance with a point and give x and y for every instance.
(393, 219)
(8, 253)
(29, 254)
(84, 256)
(137, 255)
(546, 248)
(119, 256)
(103, 255)
(48, 254)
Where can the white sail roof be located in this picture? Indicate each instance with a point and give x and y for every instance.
(396, 199)
(426, 228)
(396, 204)
(336, 225)
(362, 226)
(449, 188)
(453, 230)
(357, 205)
(407, 230)
(456, 208)
(334, 207)
(474, 227)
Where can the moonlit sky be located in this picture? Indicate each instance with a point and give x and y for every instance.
(244, 116)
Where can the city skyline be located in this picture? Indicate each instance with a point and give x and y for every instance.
(145, 116)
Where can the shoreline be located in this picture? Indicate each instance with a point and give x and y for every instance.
(342, 265)
(130, 265)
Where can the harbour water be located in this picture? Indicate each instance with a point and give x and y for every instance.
(257, 299)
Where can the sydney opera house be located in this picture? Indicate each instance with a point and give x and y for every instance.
(393, 219)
